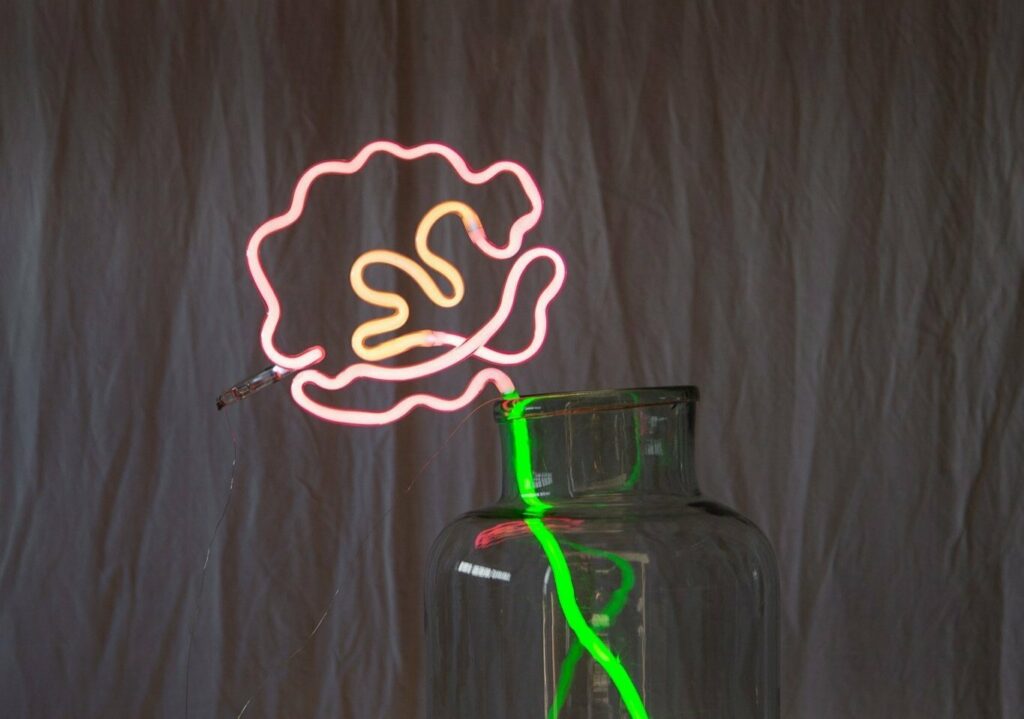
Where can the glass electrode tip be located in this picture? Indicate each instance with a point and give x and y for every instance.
(249, 385)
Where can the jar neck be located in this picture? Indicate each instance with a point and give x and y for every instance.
(598, 445)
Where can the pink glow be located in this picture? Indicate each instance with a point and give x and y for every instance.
(517, 528)
(470, 346)
(462, 347)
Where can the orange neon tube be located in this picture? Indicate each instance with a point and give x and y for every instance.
(460, 347)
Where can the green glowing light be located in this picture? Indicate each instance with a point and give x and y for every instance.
(605, 618)
(522, 463)
(564, 589)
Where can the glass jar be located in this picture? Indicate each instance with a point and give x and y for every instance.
(601, 584)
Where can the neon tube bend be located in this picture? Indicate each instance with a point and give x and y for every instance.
(315, 354)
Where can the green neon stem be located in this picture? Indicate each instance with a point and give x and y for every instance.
(615, 605)
(564, 589)
(610, 611)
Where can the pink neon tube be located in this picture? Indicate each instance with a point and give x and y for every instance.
(315, 354)
(462, 347)
(470, 346)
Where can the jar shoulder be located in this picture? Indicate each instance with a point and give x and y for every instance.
(669, 508)
(686, 524)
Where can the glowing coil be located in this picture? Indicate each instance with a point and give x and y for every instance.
(461, 347)
(397, 303)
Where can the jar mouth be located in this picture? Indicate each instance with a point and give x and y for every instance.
(555, 404)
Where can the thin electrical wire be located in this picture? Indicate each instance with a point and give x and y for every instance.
(206, 561)
(304, 644)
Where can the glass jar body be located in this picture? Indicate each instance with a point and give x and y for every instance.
(608, 601)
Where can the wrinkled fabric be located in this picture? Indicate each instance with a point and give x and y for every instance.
(812, 211)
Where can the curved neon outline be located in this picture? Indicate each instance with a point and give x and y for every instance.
(461, 347)
(394, 301)
(468, 347)
(315, 354)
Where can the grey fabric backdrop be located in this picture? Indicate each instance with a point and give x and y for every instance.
(813, 211)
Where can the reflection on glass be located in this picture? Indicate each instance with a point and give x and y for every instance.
(475, 570)
(628, 594)
(602, 620)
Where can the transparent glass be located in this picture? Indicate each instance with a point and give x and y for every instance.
(601, 584)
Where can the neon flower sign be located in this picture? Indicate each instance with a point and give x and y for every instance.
(460, 347)
(368, 346)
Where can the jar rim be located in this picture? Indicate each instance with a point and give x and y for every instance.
(553, 404)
